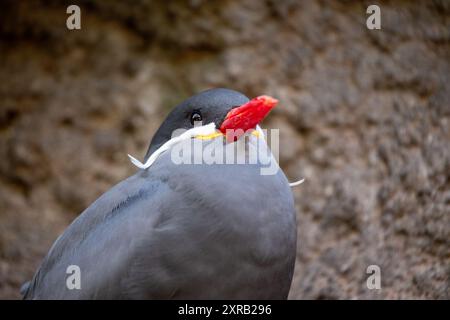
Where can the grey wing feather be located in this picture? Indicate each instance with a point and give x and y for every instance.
(24, 288)
(101, 241)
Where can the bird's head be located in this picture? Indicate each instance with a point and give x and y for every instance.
(231, 111)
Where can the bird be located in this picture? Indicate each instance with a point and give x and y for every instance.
(190, 231)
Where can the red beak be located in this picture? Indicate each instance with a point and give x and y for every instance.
(246, 117)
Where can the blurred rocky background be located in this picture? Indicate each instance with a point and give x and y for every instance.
(364, 117)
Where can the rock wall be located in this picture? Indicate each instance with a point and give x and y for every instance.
(364, 117)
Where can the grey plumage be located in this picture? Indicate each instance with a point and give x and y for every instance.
(179, 232)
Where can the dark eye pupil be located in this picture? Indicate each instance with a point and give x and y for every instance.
(196, 116)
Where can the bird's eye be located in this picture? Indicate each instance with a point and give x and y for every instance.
(195, 117)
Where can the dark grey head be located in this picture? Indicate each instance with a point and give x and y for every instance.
(208, 106)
